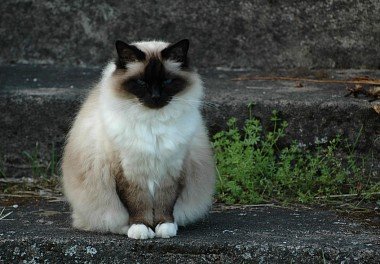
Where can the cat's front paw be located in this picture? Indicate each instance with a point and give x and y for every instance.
(166, 230)
(140, 231)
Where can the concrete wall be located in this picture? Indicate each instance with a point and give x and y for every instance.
(258, 34)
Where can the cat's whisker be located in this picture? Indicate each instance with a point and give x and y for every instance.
(191, 100)
(134, 105)
(182, 100)
(196, 102)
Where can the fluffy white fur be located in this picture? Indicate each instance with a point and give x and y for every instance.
(148, 143)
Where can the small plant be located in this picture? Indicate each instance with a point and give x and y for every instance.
(52, 165)
(38, 167)
(44, 174)
(252, 168)
(2, 167)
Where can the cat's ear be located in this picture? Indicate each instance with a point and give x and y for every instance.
(128, 53)
(177, 52)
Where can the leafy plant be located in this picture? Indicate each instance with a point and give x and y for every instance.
(252, 168)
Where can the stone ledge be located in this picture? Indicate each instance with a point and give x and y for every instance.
(38, 104)
(40, 231)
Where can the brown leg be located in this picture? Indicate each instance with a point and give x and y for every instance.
(137, 200)
(164, 200)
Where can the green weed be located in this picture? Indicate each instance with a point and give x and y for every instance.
(2, 166)
(38, 167)
(252, 168)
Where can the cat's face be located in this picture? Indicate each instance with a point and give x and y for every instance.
(152, 75)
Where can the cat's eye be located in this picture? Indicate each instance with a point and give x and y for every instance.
(168, 81)
(140, 82)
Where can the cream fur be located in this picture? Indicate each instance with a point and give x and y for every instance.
(140, 231)
(150, 144)
(166, 230)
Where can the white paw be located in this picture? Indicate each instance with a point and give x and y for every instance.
(166, 230)
(140, 231)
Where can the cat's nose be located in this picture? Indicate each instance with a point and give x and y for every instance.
(156, 94)
(156, 100)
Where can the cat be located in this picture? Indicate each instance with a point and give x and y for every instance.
(137, 160)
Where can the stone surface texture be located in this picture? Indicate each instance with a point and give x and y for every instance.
(263, 34)
(39, 232)
(39, 103)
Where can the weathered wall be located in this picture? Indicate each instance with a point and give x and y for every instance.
(259, 34)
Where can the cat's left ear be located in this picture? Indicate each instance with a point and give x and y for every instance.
(177, 52)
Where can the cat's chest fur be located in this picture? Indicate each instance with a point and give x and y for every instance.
(151, 147)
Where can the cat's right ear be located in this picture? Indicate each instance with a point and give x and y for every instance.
(127, 53)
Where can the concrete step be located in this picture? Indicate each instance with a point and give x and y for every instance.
(256, 34)
(39, 231)
(38, 104)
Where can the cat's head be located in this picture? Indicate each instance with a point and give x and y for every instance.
(153, 72)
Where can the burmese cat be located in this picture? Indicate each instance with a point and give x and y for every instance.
(137, 159)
